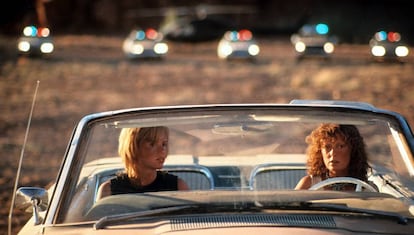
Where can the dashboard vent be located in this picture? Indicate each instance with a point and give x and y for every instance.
(217, 221)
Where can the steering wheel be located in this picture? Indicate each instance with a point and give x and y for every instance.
(344, 180)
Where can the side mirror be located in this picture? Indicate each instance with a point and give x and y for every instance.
(32, 200)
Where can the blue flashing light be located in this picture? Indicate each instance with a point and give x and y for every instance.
(30, 31)
(381, 36)
(140, 35)
(234, 36)
(322, 28)
(34, 30)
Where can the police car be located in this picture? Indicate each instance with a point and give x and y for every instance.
(35, 41)
(146, 43)
(238, 44)
(388, 45)
(313, 40)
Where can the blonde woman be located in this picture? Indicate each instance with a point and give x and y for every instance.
(143, 152)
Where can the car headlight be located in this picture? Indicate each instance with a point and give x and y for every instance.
(401, 51)
(378, 51)
(47, 47)
(300, 47)
(253, 50)
(24, 46)
(328, 47)
(161, 48)
(137, 49)
(224, 51)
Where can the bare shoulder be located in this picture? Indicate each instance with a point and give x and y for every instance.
(304, 183)
(104, 190)
(182, 185)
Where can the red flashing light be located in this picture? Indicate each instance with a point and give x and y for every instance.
(43, 32)
(151, 33)
(245, 35)
(394, 37)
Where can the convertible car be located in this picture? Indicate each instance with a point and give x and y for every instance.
(241, 163)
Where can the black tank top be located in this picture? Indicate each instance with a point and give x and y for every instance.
(163, 182)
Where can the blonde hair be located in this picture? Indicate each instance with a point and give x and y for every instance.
(130, 140)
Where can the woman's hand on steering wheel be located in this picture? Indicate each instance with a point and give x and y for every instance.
(344, 180)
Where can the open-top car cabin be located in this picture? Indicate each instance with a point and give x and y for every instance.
(241, 163)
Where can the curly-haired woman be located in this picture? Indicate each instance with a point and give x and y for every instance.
(334, 151)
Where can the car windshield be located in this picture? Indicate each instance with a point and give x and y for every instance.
(232, 157)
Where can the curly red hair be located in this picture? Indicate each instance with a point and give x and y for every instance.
(358, 165)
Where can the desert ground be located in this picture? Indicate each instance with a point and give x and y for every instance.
(88, 74)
